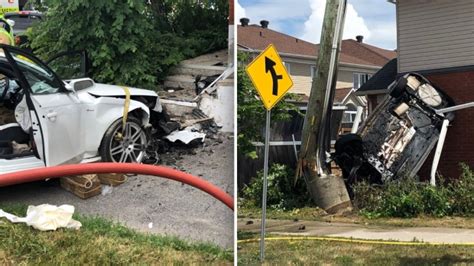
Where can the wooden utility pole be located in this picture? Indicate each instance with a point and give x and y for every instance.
(328, 191)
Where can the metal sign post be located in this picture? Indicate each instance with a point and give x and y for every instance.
(272, 82)
(265, 185)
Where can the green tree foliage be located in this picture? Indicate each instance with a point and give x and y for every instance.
(251, 113)
(114, 33)
(202, 24)
(282, 192)
(131, 42)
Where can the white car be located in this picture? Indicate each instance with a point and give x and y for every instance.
(64, 122)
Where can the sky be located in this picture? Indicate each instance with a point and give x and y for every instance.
(374, 19)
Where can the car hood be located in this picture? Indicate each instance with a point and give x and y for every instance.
(105, 90)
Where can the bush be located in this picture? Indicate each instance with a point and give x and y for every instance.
(462, 193)
(282, 193)
(406, 198)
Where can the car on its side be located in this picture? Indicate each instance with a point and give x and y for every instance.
(398, 136)
(56, 121)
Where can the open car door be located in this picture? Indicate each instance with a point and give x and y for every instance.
(54, 110)
(70, 64)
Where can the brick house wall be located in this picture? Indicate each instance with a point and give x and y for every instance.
(231, 12)
(459, 144)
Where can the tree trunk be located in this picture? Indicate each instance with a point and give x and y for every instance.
(328, 191)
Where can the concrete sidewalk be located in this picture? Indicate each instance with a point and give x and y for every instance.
(314, 228)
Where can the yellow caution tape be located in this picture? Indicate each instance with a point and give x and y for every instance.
(357, 241)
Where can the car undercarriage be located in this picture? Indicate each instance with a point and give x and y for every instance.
(398, 135)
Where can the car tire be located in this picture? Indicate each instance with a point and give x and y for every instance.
(129, 148)
(399, 88)
(430, 96)
(348, 149)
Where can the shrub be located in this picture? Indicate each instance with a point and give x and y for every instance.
(407, 198)
(282, 193)
(462, 193)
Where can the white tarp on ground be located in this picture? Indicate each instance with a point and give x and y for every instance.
(46, 217)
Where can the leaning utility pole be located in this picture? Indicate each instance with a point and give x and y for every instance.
(328, 191)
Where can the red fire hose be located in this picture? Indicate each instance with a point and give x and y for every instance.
(119, 168)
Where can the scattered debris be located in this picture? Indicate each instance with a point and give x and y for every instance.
(186, 135)
(202, 83)
(46, 217)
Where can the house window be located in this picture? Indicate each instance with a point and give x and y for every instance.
(360, 78)
(349, 114)
(313, 71)
(288, 67)
(349, 117)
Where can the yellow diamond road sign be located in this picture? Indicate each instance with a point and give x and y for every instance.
(269, 77)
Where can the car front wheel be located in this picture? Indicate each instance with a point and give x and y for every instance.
(124, 146)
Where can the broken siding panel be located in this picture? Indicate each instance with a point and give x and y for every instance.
(435, 34)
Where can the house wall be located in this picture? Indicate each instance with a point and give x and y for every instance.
(434, 34)
(299, 69)
(345, 76)
(459, 145)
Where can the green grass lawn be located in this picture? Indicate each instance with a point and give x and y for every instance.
(99, 241)
(316, 214)
(316, 252)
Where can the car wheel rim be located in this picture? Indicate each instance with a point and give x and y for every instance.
(128, 146)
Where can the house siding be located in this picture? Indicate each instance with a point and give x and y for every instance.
(435, 34)
(347, 76)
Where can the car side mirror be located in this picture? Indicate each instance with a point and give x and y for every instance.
(69, 88)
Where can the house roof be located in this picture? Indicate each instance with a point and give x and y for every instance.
(352, 52)
(341, 94)
(380, 81)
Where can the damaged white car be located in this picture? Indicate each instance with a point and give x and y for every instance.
(46, 121)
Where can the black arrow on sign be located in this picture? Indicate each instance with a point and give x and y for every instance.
(269, 66)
